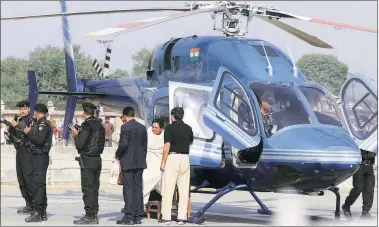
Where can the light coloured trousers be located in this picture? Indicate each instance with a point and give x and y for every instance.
(177, 172)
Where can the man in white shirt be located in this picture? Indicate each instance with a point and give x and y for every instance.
(152, 175)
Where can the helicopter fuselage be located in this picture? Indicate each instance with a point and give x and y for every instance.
(308, 150)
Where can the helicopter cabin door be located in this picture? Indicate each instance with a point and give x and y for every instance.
(206, 149)
(232, 113)
(359, 104)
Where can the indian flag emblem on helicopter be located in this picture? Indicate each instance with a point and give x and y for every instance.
(194, 54)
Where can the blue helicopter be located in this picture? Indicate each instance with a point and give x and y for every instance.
(220, 81)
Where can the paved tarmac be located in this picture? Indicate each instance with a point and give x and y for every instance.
(236, 208)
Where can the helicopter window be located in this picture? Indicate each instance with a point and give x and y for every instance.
(287, 109)
(167, 54)
(176, 63)
(162, 109)
(361, 109)
(233, 102)
(194, 101)
(323, 107)
(160, 69)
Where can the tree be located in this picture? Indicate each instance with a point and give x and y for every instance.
(141, 60)
(324, 69)
(49, 64)
(118, 73)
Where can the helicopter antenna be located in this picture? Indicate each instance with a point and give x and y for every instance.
(294, 69)
(269, 67)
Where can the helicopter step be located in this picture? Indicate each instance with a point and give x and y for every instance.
(198, 218)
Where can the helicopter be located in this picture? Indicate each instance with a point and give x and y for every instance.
(219, 82)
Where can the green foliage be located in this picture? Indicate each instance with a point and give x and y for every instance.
(141, 61)
(49, 64)
(119, 73)
(324, 69)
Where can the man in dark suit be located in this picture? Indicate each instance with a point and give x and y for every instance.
(131, 152)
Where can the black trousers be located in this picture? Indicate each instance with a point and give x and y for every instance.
(24, 171)
(90, 176)
(363, 181)
(40, 164)
(133, 195)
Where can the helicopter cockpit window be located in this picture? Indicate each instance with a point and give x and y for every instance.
(194, 101)
(282, 103)
(361, 108)
(162, 110)
(233, 102)
(323, 107)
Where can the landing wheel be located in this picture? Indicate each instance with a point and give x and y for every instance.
(265, 212)
(337, 215)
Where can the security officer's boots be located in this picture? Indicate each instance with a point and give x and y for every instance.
(44, 215)
(25, 210)
(365, 214)
(36, 216)
(88, 219)
(346, 211)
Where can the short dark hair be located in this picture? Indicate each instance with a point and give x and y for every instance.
(178, 113)
(128, 111)
(107, 118)
(160, 122)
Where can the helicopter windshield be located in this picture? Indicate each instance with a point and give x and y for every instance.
(282, 104)
(322, 106)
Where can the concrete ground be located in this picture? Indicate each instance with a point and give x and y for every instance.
(236, 208)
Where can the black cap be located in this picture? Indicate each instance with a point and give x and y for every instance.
(40, 108)
(24, 103)
(89, 108)
(268, 97)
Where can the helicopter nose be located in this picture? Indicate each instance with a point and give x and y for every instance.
(318, 156)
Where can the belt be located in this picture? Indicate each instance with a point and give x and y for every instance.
(176, 153)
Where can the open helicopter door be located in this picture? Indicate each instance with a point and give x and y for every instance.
(359, 103)
(230, 112)
(206, 148)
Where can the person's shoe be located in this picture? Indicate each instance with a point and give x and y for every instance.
(366, 214)
(137, 221)
(87, 220)
(346, 211)
(165, 222)
(25, 210)
(124, 221)
(180, 222)
(44, 215)
(34, 217)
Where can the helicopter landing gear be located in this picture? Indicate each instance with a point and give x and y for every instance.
(264, 210)
(335, 190)
(198, 218)
(203, 185)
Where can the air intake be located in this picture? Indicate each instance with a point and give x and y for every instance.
(270, 52)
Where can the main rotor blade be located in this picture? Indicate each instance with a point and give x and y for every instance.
(281, 14)
(314, 41)
(151, 9)
(132, 26)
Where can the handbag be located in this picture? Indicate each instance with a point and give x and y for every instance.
(114, 172)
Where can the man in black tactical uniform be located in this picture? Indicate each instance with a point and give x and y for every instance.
(23, 158)
(363, 181)
(39, 141)
(90, 143)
